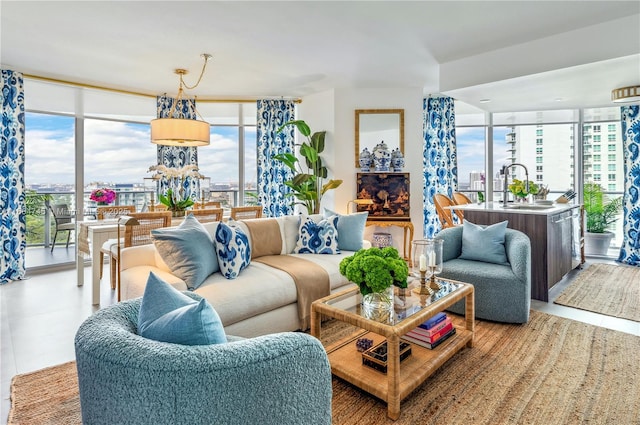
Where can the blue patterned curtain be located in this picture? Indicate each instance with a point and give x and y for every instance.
(13, 226)
(630, 250)
(177, 156)
(272, 174)
(440, 158)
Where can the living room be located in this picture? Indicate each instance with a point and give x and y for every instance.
(512, 73)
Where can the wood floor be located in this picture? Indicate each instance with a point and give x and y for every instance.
(40, 315)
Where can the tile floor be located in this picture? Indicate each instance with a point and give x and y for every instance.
(40, 315)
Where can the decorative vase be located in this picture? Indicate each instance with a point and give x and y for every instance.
(177, 213)
(381, 157)
(397, 160)
(378, 306)
(365, 160)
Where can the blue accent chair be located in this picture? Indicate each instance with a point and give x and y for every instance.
(282, 378)
(502, 292)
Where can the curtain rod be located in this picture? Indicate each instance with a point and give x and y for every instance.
(129, 92)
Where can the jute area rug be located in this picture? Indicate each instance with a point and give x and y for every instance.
(613, 290)
(549, 371)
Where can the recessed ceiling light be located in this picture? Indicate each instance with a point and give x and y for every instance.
(559, 99)
(485, 100)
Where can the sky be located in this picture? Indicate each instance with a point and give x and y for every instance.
(117, 152)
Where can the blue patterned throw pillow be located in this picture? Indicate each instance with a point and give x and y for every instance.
(232, 247)
(318, 238)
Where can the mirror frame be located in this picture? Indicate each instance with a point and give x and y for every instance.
(400, 112)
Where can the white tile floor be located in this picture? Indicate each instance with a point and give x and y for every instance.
(40, 315)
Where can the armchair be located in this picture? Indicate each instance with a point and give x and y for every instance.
(282, 378)
(502, 292)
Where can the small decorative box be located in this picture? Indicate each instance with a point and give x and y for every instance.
(376, 356)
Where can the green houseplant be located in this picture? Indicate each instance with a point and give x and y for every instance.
(600, 213)
(306, 185)
(375, 270)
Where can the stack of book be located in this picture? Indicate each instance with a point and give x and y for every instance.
(432, 332)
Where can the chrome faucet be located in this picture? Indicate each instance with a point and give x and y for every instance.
(505, 191)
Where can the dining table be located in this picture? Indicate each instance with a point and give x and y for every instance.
(92, 234)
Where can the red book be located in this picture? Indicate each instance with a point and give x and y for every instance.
(432, 331)
(433, 338)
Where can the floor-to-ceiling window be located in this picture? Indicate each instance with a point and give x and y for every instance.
(92, 138)
(543, 142)
(471, 139)
(550, 144)
(603, 158)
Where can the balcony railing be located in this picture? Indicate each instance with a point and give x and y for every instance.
(41, 225)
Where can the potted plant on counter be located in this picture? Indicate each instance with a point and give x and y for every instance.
(600, 212)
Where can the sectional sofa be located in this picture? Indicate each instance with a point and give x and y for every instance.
(262, 299)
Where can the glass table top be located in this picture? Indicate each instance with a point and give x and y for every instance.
(405, 302)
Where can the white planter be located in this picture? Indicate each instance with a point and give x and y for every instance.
(597, 243)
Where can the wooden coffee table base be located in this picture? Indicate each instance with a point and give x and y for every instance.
(399, 381)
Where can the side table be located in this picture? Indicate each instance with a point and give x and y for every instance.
(407, 227)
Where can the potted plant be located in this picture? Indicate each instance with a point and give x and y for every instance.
(600, 213)
(519, 188)
(376, 271)
(306, 185)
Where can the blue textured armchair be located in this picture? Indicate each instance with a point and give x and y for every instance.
(502, 292)
(124, 378)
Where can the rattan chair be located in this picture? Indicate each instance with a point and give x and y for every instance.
(137, 234)
(63, 222)
(207, 204)
(460, 198)
(107, 212)
(206, 215)
(243, 213)
(444, 215)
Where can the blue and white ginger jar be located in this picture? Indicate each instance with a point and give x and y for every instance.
(381, 157)
(365, 160)
(397, 160)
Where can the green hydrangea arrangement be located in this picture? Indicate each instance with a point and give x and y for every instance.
(518, 188)
(375, 269)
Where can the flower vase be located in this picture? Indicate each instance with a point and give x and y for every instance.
(378, 305)
(177, 213)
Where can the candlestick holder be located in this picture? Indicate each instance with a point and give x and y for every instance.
(423, 289)
(433, 284)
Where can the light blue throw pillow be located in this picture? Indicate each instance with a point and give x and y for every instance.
(167, 315)
(318, 238)
(232, 248)
(188, 250)
(350, 229)
(485, 244)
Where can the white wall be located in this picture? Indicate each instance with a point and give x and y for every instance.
(334, 111)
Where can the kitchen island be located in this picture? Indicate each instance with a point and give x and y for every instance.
(555, 231)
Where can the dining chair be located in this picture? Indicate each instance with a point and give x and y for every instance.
(207, 204)
(460, 198)
(107, 212)
(241, 213)
(137, 234)
(206, 215)
(444, 215)
(63, 222)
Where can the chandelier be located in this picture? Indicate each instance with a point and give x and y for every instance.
(172, 131)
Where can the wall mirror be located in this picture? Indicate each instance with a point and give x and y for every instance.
(376, 125)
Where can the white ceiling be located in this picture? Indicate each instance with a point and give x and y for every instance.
(523, 55)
